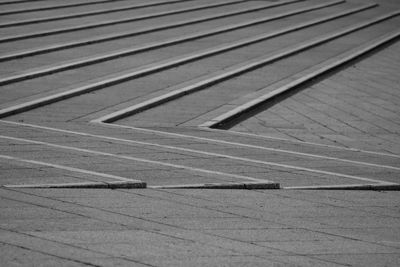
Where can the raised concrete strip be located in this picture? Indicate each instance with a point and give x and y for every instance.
(248, 186)
(109, 37)
(88, 185)
(111, 22)
(91, 13)
(293, 82)
(38, 72)
(111, 10)
(266, 137)
(159, 66)
(142, 160)
(235, 70)
(70, 169)
(267, 163)
(234, 144)
(26, 10)
(376, 187)
(143, 30)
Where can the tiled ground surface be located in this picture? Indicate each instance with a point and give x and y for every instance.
(342, 131)
(357, 107)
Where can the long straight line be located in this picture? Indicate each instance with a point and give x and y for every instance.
(265, 137)
(267, 163)
(71, 169)
(146, 161)
(109, 37)
(299, 78)
(112, 22)
(237, 70)
(26, 10)
(38, 72)
(19, 1)
(29, 74)
(234, 144)
(158, 66)
(101, 11)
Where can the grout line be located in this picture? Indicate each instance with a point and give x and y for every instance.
(38, 72)
(209, 154)
(71, 169)
(235, 70)
(91, 13)
(146, 161)
(142, 30)
(299, 78)
(24, 10)
(109, 37)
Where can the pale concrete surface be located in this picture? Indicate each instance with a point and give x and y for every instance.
(354, 109)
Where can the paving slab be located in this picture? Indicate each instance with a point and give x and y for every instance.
(339, 130)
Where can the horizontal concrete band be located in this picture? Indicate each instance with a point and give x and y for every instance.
(88, 185)
(26, 10)
(377, 187)
(38, 72)
(158, 66)
(130, 185)
(109, 37)
(15, 2)
(298, 79)
(119, 9)
(147, 29)
(237, 70)
(248, 186)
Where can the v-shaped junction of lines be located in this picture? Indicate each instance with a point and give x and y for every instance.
(201, 94)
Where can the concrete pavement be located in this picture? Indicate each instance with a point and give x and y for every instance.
(107, 158)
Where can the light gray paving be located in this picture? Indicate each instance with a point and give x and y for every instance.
(342, 130)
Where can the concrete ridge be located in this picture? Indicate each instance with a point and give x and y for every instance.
(235, 70)
(130, 158)
(143, 30)
(299, 142)
(373, 187)
(155, 67)
(247, 186)
(61, 46)
(292, 82)
(84, 185)
(90, 13)
(19, 1)
(46, 70)
(25, 10)
(69, 169)
(120, 140)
